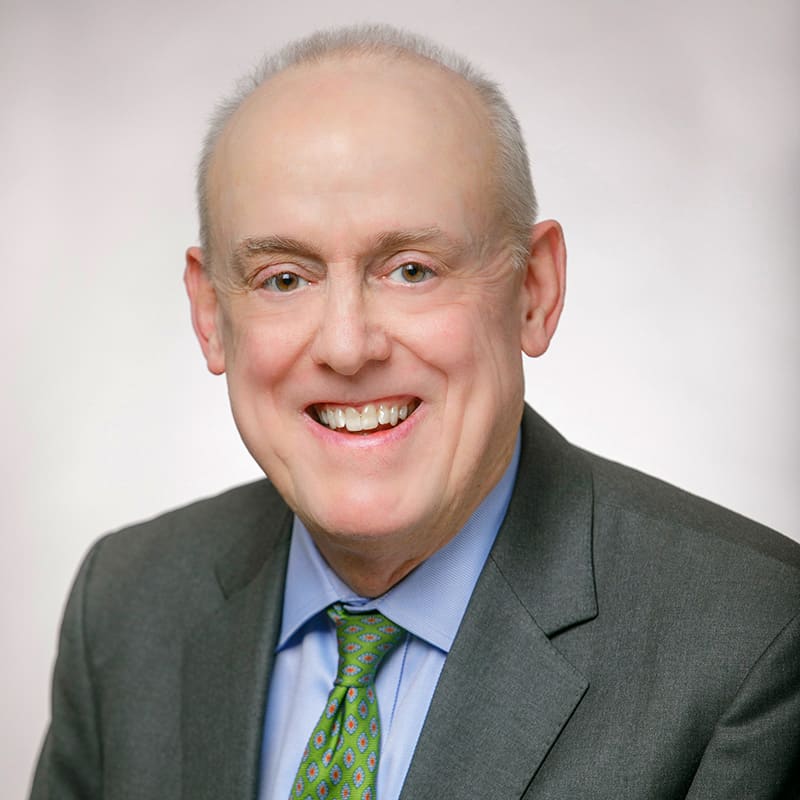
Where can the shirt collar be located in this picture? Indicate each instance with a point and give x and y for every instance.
(429, 602)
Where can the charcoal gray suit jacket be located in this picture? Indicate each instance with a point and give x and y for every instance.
(625, 640)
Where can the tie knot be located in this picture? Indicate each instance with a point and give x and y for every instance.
(364, 640)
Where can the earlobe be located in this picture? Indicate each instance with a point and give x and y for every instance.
(543, 287)
(205, 310)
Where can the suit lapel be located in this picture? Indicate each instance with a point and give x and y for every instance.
(505, 692)
(227, 663)
(503, 697)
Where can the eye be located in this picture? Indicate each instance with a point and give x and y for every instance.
(411, 272)
(284, 282)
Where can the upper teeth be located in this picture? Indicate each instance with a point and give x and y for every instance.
(370, 416)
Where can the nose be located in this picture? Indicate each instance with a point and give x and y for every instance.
(350, 333)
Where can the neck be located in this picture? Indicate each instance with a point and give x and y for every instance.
(372, 563)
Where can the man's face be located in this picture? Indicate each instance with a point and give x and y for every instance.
(367, 314)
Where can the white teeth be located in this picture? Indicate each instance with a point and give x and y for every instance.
(369, 418)
(352, 419)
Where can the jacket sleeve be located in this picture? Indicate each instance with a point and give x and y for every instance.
(70, 762)
(754, 752)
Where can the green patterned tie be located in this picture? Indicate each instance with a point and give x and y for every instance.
(340, 761)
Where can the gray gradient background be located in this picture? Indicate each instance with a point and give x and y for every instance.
(664, 136)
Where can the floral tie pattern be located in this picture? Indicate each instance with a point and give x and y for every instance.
(340, 761)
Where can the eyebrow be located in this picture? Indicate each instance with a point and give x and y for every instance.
(387, 242)
(253, 246)
(401, 240)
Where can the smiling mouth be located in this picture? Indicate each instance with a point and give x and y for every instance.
(366, 419)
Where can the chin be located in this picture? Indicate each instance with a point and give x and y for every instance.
(358, 527)
(361, 520)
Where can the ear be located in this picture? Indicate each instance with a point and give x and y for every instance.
(206, 312)
(543, 286)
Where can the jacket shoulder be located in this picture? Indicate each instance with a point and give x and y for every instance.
(173, 567)
(200, 531)
(688, 565)
(655, 505)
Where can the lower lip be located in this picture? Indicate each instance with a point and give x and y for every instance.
(360, 441)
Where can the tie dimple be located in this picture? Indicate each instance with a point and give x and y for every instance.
(340, 761)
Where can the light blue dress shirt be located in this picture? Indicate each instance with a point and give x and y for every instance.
(429, 603)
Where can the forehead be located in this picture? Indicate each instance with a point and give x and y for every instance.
(366, 130)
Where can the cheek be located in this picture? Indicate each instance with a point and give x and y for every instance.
(468, 337)
(260, 352)
(261, 361)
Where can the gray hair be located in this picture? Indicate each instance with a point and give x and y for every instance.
(516, 195)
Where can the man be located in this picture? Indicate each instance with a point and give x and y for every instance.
(561, 626)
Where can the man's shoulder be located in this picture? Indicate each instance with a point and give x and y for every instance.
(657, 509)
(675, 557)
(175, 563)
(634, 508)
(653, 547)
(202, 530)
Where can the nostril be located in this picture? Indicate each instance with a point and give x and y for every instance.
(349, 335)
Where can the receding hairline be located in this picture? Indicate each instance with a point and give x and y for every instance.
(345, 60)
(510, 176)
